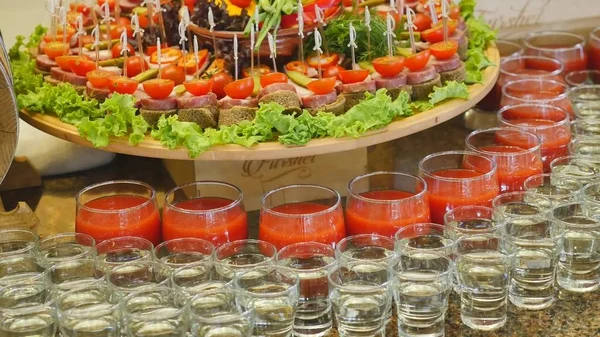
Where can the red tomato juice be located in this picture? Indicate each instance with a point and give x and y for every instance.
(365, 217)
(574, 59)
(594, 52)
(219, 227)
(514, 169)
(306, 226)
(143, 220)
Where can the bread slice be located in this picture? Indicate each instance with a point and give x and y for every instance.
(353, 99)
(337, 108)
(420, 92)
(463, 48)
(236, 114)
(288, 99)
(152, 116)
(49, 79)
(457, 74)
(394, 93)
(204, 117)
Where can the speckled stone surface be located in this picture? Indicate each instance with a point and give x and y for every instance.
(573, 315)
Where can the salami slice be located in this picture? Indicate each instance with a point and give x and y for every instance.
(316, 101)
(67, 76)
(275, 87)
(43, 62)
(417, 77)
(447, 65)
(97, 93)
(358, 87)
(391, 83)
(229, 103)
(458, 36)
(168, 103)
(190, 102)
(127, 6)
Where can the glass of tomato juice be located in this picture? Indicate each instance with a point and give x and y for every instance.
(458, 178)
(209, 210)
(118, 208)
(550, 123)
(537, 90)
(594, 49)
(383, 202)
(515, 151)
(301, 213)
(564, 46)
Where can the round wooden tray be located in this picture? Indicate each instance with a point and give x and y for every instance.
(9, 123)
(273, 150)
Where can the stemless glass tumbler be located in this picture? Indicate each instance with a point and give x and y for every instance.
(564, 46)
(179, 252)
(153, 312)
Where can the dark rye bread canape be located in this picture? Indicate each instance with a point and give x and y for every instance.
(463, 43)
(61, 75)
(202, 110)
(355, 92)
(151, 109)
(282, 93)
(423, 81)
(232, 111)
(452, 69)
(394, 85)
(331, 102)
(97, 93)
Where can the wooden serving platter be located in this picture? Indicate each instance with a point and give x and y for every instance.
(273, 150)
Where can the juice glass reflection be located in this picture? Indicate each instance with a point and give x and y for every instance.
(516, 152)
(209, 210)
(535, 90)
(458, 178)
(383, 202)
(566, 47)
(301, 213)
(118, 208)
(549, 123)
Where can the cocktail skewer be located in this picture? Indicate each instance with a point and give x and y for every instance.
(272, 50)
(124, 50)
(320, 24)
(106, 20)
(410, 25)
(235, 55)
(352, 44)
(389, 33)
(317, 48)
(432, 11)
(368, 25)
(96, 44)
(212, 24)
(137, 34)
(196, 57)
(159, 54)
(80, 32)
(300, 20)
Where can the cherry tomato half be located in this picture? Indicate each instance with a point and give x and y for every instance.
(333, 71)
(134, 65)
(240, 89)
(296, 66)
(417, 61)
(158, 88)
(220, 80)
(122, 85)
(436, 33)
(116, 50)
(325, 61)
(353, 76)
(99, 78)
(258, 71)
(389, 66)
(168, 56)
(422, 21)
(116, 31)
(273, 78)
(81, 65)
(55, 49)
(322, 86)
(64, 61)
(444, 50)
(199, 87)
(189, 63)
(174, 73)
(111, 3)
(80, 8)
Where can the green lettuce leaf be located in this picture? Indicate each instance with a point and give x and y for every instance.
(25, 78)
(452, 89)
(173, 133)
(467, 8)
(94, 131)
(139, 127)
(421, 106)
(480, 33)
(476, 62)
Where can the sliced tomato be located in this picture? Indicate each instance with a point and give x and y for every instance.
(59, 34)
(423, 22)
(240, 89)
(55, 49)
(158, 88)
(81, 66)
(189, 63)
(322, 86)
(168, 56)
(353, 76)
(122, 84)
(220, 80)
(333, 71)
(111, 3)
(389, 66)
(99, 78)
(273, 78)
(258, 71)
(241, 3)
(199, 87)
(64, 61)
(116, 31)
(80, 7)
(418, 61)
(296, 66)
(436, 33)
(325, 61)
(116, 50)
(134, 65)
(174, 73)
(444, 50)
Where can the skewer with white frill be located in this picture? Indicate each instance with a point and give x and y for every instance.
(106, 20)
(137, 34)
(410, 25)
(212, 24)
(368, 25)
(235, 55)
(124, 50)
(62, 17)
(300, 20)
(317, 48)
(432, 12)
(272, 50)
(149, 4)
(181, 29)
(158, 10)
(445, 17)
(319, 19)
(389, 33)
(252, 42)
(185, 17)
(96, 44)
(256, 30)
(197, 75)
(80, 32)
(352, 44)
(51, 8)
(159, 55)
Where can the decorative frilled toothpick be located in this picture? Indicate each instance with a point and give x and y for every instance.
(124, 50)
(352, 44)
(389, 33)
(106, 20)
(320, 20)
(235, 55)
(300, 20)
(80, 32)
(137, 34)
(96, 44)
(272, 50)
(317, 48)
(410, 25)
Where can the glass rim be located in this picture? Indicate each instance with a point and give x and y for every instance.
(572, 225)
(543, 176)
(311, 243)
(30, 244)
(594, 34)
(356, 179)
(437, 255)
(120, 239)
(150, 317)
(450, 224)
(78, 313)
(579, 45)
(587, 187)
(480, 237)
(430, 175)
(157, 267)
(363, 288)
(165, 244)
(511, 43)
(504, 196)
(330, 209)
(568, 77)
(558, 71)
(564, 95)
(87, 189)
(244, 242)
(564, 121)
(348, 239)
(277, 268)
(532, 149)
(220, 318)
(29, 307)
(573, 90)
(30, 277)
(38, 246)
(570, 158)
(239, 200)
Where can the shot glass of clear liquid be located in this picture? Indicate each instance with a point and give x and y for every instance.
(585, 147)
(179, 252)
(65, 247)
(274, 293)
(153, 312)
(312, 262)
(472, 220)
(520, 204)
(220, 312)
(17, 241)
(367, 247)
(430, 237)
(586, 170)
(197, 278)
(26, 309)
(360, 301)
(88, 311)
(67, 275)
(424, 282)
(137, 275)
(585, 128)
(586, 101)
(558, 188)
(117, 251)
(483, 271)
(579, 261)
(242, 255)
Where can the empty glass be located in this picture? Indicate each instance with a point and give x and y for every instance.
(472, 220)
(557, 188)
(136, 275)
(367, 247)
(312, 262)
(242, 255)
(153, 312)
(65, 247)
(428, 237)
(585, 170)
(178, 252)
(117, 251)
(274, 294)
(586, 101)
(361, 301)
(26, 310)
